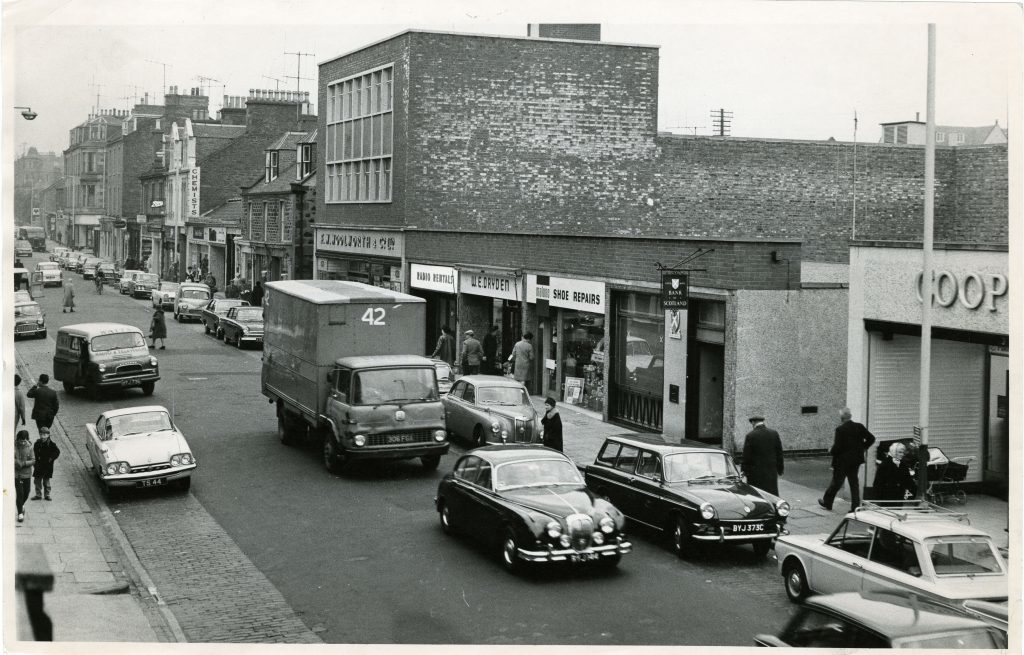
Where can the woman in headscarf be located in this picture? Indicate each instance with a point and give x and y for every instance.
(893, 479)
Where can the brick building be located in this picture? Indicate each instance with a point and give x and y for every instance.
(33, 172)
(522, 182)
(85, 169)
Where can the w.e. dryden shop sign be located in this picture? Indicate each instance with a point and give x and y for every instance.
(361, 242)
(493, 286)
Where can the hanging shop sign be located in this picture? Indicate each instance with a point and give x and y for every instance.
(583, 295)
(505, 287)
(675, 290)
(193, 192)
(434, 278)
(361, 242)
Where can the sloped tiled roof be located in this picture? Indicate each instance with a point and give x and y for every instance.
(280, 184)
(310, 137)
(228, 213)
(973, 136)
(288, 141)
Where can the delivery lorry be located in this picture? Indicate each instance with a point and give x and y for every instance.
(342, 365)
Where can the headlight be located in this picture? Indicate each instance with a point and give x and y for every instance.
(39, 321)
(186, 458)
(495, 427)
(102, 368)
(152, 361)
(554, 529)
(504, 435)
(359, 440)
(245, 330)
(112, 468)
(782, 508)
(439, 435)
(607, 525)
(707, 511)
(564, 541)
(175, 460)
(597, 538)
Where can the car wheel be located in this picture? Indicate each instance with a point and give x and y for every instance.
(445, 514)
(796, 581)
(177, 316)
(238, 342)
(683, 543)
(761, 548)
(147, 388)
(510, 552)
(68, 387)
(479, 440)
(206, 328)
(218, 334)
(333, 460)
(430, 462)
(184, 484)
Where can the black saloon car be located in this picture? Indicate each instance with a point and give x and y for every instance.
(531, 504)
(696, 495)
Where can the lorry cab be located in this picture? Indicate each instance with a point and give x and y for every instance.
(100, 356)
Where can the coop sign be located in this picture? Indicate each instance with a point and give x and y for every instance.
(972, 290)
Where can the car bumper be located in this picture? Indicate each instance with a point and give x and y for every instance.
(251, 338)
(594, 553)
(185, 312)
(398, 452)
(717, 533)
(129, 380)
(142, 293)
(147, 478)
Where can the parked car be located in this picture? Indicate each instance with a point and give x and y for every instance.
(22, 248)
(143, 284)
(29, 320)
(111, 275)
(484, 409)
(242, 324)
(908, 547)
(212, 311)
(163, 296)
(89, 267)
(101, 356)
(873, 620)
(694, 495)
(445, 376)
(139, 447)
(57, 253)
(51, 274)
(531, 503)
(126, 277)
(189, 301)
(22, 296)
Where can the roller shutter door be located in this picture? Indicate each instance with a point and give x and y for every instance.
(957, 390)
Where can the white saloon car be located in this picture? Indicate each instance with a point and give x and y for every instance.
(51, 273)
(139, 447)
(895, 546)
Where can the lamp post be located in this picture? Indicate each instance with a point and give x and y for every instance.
(27, 113)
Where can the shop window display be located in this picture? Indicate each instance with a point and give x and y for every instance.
(582, 332)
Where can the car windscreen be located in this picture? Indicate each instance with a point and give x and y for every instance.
(26, 310)
(117, 340)
(195, 294)
(146, 278)
(223, 306)
(696, 466)
(963, 555)
(141, 423)
(536, 473)
(246, 315)
(47, 266)
(501, 396)
(169, 287)
(392, 385)
(444, 372)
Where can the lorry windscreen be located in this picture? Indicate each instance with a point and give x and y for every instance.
(394, 385)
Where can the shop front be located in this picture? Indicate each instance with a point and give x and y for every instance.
(969, 390)
(438, 285)
(570, 339)
(207, 250)
(492, 297)
(363, 255)
(637, 365)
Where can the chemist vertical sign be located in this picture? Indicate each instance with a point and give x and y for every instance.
(193, 192)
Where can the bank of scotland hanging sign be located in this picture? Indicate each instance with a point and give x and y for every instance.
(675, 290)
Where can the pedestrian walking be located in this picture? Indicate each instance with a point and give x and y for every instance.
(522, 360)
(762, 456)
(257, 295)
(552, 422)
(46, 453)
(98, 279)
(45, 404)
(211, 282)
(894, 478)
(232, 290)
(472, 354)
(19, 403)
(158, 328)
(490, 363)
(445, 349)
(850, 441)
(69, 297)
(24, 460)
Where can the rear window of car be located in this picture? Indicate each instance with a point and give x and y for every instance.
(816, 629)
(853, 536)
(146, 278)
(48, 266)
(962, 556)
(195, 294)
(608, 453)
(978, 638)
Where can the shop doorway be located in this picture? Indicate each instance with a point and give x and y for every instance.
(705, 371)
(997, 433)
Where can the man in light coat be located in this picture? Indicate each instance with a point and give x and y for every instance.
(522, 360)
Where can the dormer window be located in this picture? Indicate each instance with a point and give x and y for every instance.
(271, 166)
(940, 137)
(305, 166)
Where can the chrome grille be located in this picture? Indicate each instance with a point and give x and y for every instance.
(398, 438)
(580, 530)
(128, 369)
(151, 467)
(25, 327)
(523, 430)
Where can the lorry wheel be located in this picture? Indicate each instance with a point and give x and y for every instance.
(147, 388)
(68, 387)
(430, 462)
(285, 429)
(334, 461)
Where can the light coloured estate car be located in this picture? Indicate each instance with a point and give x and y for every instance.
(909, 547)
(483, 409)
(138, 447)
(51, 274)
(163, 296)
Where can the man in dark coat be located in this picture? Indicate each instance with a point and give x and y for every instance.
(257, 294)
(46, 453)
(849, 443)
(45, 407)
(762, 456)
(490, 364)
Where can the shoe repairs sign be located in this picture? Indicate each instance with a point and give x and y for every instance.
(675, 290)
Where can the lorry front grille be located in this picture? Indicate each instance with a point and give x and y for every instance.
(393, 438)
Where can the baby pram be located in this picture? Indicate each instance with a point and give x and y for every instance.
(945, 476)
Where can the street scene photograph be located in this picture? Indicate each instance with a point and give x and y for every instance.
(449, 325)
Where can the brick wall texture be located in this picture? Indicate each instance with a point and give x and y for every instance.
(543, 137)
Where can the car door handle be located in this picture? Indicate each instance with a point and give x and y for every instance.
(856, 565)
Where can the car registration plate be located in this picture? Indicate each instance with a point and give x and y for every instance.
(748, 527)
(399, 438)
(583, 557)
(153, 482)
(127, 382)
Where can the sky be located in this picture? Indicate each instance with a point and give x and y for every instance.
(784, 70)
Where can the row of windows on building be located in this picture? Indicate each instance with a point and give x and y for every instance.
(270, 221)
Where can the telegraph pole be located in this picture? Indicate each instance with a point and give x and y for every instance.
(927, 283)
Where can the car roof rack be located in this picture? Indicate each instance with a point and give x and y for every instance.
(912, 510)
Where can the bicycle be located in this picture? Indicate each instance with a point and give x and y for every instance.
(99, 284)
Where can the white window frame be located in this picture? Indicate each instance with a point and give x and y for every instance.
(359, 106)
(271, 166)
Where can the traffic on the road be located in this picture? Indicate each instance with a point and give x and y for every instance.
(363, 553)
